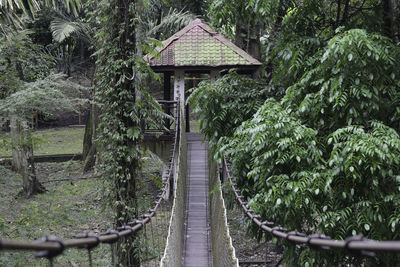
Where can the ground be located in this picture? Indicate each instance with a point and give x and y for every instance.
(65, 140)
(66, 210)
(74, 203)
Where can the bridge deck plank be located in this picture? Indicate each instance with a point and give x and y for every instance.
(197, 248)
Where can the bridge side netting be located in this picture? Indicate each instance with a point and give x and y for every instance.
(174, 247)
(222, 250)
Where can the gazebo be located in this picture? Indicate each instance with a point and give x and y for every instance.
(197, 48)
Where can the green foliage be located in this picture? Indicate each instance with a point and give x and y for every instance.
(325, 158)
(364, 181)
(276, 161)
(225, 13)
(21, 58)
(225, 104)
(10, 11)
(354, 80)
(44, 95)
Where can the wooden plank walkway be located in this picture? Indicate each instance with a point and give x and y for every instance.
(197, 247)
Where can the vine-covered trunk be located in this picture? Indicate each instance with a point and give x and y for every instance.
(23, 160)
(119, 115)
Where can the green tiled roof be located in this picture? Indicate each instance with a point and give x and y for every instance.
(198, 45)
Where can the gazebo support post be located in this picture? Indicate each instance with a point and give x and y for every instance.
(187, 114)
(179, 86)
(167, 96)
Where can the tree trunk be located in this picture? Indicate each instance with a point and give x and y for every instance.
(390, 16)
(23, 160)
(387, 18)
(89, 141)
(395, 21)
(247, 36)
(128, 252)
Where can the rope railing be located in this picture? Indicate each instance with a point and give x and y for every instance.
(174, 247)
(51, 246)
(354, 244)
(222, 250)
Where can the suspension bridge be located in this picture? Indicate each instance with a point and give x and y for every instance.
(193, 232)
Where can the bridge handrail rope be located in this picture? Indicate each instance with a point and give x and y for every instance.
(174, 244)
(354, 244)
(51, 246)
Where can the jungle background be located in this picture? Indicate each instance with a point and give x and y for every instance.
(313, 137)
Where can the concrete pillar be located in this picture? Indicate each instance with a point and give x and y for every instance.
(179, 91)
(167, 96)
(179, 85)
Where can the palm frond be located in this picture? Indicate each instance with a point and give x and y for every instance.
(170, 23)
(64, 27)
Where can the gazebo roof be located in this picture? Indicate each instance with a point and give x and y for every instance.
(197, 45)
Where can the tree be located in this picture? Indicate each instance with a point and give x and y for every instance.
(18, 55)
(46, 96)
(322, 155)
(119, 113)
(9, 10)
(244, 21)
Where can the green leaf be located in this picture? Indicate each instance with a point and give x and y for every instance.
(350, 57)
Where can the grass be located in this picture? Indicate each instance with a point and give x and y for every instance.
(53, 141)
(67, 209)
(71, 207)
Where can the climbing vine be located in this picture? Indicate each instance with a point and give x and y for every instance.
(125, 106)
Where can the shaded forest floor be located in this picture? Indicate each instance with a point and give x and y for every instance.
(74, 203)
(68, 208)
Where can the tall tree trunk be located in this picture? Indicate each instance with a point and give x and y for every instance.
(395, 5)
(390, 16)
(119, 109)
(247, 35)
(23, 160)
(338, 12)
(387, 18)
(128, 253)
